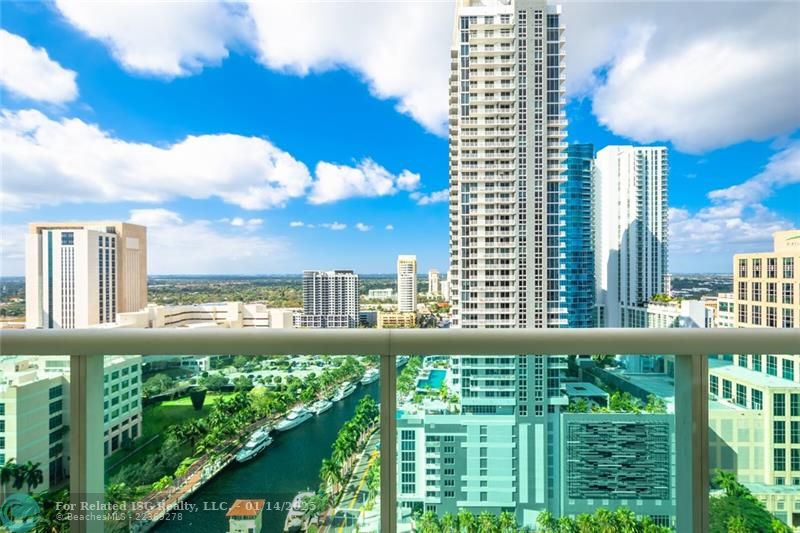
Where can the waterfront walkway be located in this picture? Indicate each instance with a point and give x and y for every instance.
(351, 513)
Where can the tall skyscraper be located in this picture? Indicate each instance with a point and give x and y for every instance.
(330, 299)
(507, 163)
(630, 230)
(433, 282)
(79, 274)
(578, 240)
(406, 283)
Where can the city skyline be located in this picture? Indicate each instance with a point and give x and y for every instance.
(352, 185)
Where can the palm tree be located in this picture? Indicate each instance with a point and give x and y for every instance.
(449, 523)
(331, 475)
(566, 525)
(466, 521)
(33, 475)
(8, 473)
(584, 523)
(547, 522)
(507, 522)
(626, 520)
(428, 523)
(486, 522)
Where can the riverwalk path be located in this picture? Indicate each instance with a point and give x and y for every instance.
(351, 514)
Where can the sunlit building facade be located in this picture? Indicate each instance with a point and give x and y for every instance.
(79, 274)
(507, 168)
(631, 228)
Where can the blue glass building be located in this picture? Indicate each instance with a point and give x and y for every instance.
(579, 250)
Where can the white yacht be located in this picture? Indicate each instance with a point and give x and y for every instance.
(344, 391)
(257, 444)
(321, 406)
(296, 416)
(369, 376)
(401, 360)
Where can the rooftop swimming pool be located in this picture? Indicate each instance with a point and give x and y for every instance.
(434, 380)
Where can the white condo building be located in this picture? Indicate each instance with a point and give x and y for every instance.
(507, 163)
(82, 274)
(330, 299)
(630, 230)
(407, 283)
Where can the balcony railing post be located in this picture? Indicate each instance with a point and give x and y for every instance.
(388, 394)
(691, 443)
(86, 466)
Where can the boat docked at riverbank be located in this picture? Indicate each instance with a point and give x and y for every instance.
(344, 391)
(298, 518)
(321, 406)
(257, 443)
(401, 360)
(296, 416)
(369, 376)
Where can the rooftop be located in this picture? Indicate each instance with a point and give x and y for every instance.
(245, 508)
(583, 389)
(759, 379)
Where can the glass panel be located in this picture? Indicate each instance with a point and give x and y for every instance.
(754, 441)
(525, 441)
(222, 441)
(276, 436)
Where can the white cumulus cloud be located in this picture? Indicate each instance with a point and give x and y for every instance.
(161, 38)
(389, 227)
(783, 169)
(360, 226)
(736, 221)
(48, 162)
(367, 179)
(431, 198)
(401, 49)
(703, 75)
(335, 226)
(29, 72)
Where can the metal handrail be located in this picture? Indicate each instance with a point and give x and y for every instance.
(689, 345)
(257, 341)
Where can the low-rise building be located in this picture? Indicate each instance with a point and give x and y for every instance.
(381, 294)
(244, 516)
(672, 313)
(388, 320)
(725, 317)
(222, 314)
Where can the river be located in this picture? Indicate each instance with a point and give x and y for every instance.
(290, 464)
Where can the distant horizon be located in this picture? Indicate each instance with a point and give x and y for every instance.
(371, 274)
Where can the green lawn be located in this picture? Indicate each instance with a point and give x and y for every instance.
(156, 419)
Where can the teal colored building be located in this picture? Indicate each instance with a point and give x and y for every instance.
(579, 284)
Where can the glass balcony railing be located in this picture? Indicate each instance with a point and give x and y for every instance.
(500, 428)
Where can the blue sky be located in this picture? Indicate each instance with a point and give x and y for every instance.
(140, 121)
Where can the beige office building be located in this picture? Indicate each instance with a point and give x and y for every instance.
(760, 438)
(766, 284)
(407, 283)
(396, 320)
(79, 274)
